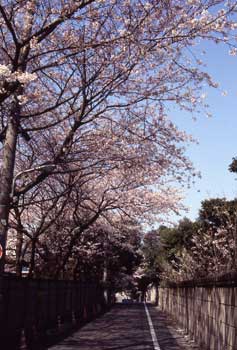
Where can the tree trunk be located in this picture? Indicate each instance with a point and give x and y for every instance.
(9, 153)
(32, 258)
(19, 242)
(156, 295)
(6, 179)
(105, 275)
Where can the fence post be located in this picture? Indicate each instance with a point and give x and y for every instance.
(59, 323)
(23, 343)
(74, 321)
(43, 304)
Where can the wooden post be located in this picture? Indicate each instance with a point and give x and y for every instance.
(23, 343)
(74, 321)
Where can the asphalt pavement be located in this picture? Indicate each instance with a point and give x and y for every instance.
(128, 327)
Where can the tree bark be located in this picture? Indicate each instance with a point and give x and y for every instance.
(105, 282)
(32, 258)
(19, 243)
(6, 179)
(9, 153)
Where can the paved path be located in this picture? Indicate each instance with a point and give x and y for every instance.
(126, 327)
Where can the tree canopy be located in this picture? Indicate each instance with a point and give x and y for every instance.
(194, 250)
(86, 132)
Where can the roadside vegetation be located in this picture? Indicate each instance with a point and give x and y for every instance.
(192, 250)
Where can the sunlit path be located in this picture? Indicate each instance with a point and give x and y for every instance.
(126, 327)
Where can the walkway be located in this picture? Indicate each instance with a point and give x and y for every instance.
(126, 327)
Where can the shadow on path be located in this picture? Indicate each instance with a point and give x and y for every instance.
(168, 338)
(125, 327)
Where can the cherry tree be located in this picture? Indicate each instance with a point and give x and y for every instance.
(212, 255)
(210, 246)
(71, 69)
(104, 179)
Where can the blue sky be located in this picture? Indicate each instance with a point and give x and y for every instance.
(217, 135)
